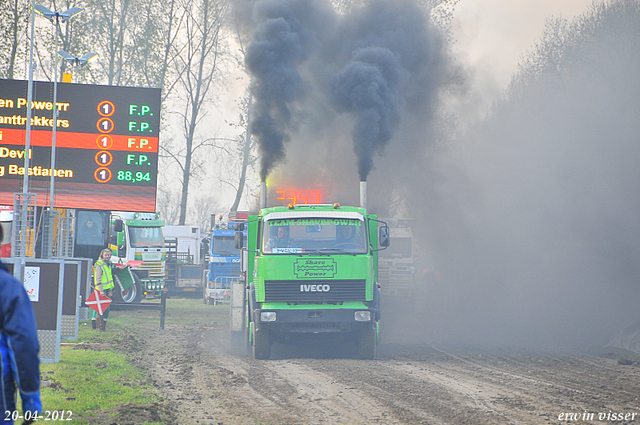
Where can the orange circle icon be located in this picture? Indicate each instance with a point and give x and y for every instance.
(104, 142)
(104, 158)
(106, 108)
(102, 175)
(105, 125)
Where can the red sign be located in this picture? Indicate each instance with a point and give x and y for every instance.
(98, 302)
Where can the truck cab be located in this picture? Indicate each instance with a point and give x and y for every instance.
(137, 239)
(313, 269)
(396, 266)
(224, 260)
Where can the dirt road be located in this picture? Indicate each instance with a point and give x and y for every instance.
(202, 381)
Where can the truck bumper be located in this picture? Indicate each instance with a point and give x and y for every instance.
(316, 321)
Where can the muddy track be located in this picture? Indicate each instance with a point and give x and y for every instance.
(202, 381)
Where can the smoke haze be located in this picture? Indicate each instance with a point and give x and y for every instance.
(530, 218)
(533, 214)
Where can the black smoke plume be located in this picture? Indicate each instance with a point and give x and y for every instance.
(280, 43)
(370, 63)
(368, 88)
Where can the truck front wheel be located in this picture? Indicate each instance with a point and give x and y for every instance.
(261, 344)
(133, 294)
(367, 344)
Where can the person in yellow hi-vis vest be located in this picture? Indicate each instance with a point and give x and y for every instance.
(103, 282)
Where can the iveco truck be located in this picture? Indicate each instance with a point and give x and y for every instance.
(309, 269)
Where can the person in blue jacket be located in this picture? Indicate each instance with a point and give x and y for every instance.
(19, 347)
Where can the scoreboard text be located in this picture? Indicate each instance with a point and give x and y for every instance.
(106, 145)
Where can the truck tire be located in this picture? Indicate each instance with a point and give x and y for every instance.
(367, 344)
(261, 344)
(131, 295)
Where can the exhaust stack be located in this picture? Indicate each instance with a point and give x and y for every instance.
(363, 194)
(263, 195)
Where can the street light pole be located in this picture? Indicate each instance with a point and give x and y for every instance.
(25, 180)
(55, 126)
(24, 208)
(55, 18)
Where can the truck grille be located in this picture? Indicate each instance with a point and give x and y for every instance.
(314, 291)
(156, 268)
(225, 269)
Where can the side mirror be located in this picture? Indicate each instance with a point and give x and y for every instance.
(120, 242)
(383, 237)
(118, 226)
(238, 240)
(239, 227)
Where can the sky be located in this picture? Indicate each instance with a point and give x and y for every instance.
(493, 35)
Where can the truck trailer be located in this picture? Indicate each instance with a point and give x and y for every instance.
(309, 269)
(186, 262)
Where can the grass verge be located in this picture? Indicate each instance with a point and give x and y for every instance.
(94, 379)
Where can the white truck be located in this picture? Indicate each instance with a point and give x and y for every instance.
(186, 262)
(396, 264)
(6, 221)
(136, 240)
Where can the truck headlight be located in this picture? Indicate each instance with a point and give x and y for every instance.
(363, 316)
(267, 316)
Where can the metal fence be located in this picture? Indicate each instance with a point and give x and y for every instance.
(24, 225)
(219, 291)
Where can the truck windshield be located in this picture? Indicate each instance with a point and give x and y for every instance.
(90, 228)
(225, 245)
(314, 235)
(150, 237)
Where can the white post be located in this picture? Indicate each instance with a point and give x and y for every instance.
(263, 195)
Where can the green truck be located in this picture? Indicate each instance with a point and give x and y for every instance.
(309, 269)
(136, 239)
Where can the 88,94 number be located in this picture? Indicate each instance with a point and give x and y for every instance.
(31, 417)
(133, 177)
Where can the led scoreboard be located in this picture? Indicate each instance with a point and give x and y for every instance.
(295, 196)
(106, 145)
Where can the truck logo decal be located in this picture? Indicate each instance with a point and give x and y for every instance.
(315, 288)
(313, 268)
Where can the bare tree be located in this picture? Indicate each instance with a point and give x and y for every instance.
(14, 15)
(246, 146)
(548, 58)
(245, 150)
(206, 205)
(168, 205)
(199, 50)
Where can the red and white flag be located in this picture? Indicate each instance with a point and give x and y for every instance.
(98, 302)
